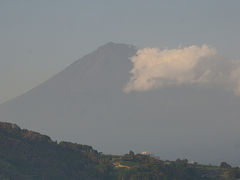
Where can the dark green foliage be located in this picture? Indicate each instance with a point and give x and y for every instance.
(27, 155)
(225, 165)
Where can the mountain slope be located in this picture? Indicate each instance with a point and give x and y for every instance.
(86, 103)
(76, 97)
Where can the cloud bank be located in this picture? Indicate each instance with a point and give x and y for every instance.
(154, 68)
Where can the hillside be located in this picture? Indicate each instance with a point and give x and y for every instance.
(29, 155)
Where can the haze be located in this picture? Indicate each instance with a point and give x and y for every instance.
(156, 76)
(41, 38)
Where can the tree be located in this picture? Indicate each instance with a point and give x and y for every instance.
(131, 153)
(225, 165)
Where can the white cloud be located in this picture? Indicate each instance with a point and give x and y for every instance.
(154, 68)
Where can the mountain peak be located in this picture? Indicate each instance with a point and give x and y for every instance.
(110, 50)
(111, 45)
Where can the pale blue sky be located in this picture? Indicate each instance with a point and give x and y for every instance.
(40, 38)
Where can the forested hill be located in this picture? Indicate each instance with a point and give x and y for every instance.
(29, 155)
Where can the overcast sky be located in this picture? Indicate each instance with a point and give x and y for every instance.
(40, 38)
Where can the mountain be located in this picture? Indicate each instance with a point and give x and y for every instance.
(30, 155)
(85, 103)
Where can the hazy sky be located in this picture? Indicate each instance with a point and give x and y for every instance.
(40, 38)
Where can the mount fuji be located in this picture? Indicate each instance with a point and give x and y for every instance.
(85, 103)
